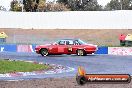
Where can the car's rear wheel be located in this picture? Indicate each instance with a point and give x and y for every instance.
(44, 52)
(122, 43)
(80, 52)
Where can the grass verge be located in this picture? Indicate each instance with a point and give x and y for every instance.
(20, 66)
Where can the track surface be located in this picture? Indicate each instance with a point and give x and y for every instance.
(92, 63)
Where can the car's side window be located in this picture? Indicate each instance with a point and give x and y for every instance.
(76, 42)
(61, 42)
(69, 42)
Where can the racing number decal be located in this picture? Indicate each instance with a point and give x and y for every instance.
(69, 49)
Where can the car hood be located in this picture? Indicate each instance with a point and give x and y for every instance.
(92, 45)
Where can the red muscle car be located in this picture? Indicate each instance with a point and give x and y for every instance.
(66, 46)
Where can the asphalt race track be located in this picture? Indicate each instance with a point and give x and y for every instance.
(110, 64)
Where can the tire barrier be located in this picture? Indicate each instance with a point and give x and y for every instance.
(3, 37)
(125, 40)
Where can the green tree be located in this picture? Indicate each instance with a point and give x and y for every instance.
(15, 6)
(82, 5)
(92, 5)
(63, 1)
(125, 4)
(130, 5)
(2, 8)
(34, 5)
(28, 5)
(119, 4)
(113, 5)
(42, 6)
(51, 6)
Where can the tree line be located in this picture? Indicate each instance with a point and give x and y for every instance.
(69, 5)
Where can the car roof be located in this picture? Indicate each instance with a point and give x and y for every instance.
(69, 39)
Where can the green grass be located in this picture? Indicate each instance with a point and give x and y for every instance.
(20, 66)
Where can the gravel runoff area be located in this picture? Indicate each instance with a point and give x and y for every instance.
(57, 83)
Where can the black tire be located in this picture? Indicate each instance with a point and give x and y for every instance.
(44, 52)
(128, 43)
(81, 80)
(80, 52)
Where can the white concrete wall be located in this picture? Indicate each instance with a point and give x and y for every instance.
(67, 20)
(120, 50)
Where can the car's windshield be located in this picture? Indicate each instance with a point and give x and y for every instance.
(81, 42)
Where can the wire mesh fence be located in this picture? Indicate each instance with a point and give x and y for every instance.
(98, 37)
(43, 39)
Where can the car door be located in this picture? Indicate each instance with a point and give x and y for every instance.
(73, 47)
(57, 47)
(62, 47)
(69, 47)
(53, 49)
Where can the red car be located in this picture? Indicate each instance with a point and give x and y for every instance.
(66, 46)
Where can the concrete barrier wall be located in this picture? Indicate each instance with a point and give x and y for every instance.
(67, 20)
(120, 50)
(17, 48)
(31, 48)
(8, 48)
(101, 50)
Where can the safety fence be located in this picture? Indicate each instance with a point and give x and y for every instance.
(101, 49)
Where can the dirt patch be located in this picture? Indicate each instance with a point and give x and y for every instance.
(39, 36)
(57, 83)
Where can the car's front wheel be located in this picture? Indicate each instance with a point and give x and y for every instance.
(80, 52)
(44, 52)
